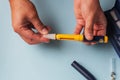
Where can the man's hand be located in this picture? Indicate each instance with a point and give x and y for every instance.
(25, 19)
(90, 17)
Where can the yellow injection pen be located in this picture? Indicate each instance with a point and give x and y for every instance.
(98, 39)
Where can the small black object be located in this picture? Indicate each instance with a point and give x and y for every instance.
(83, 71)
(95, 39)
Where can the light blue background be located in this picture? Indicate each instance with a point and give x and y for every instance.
(20, 61)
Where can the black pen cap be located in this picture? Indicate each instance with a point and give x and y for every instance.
(83, 71)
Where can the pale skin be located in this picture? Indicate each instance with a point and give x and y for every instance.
(88, 13)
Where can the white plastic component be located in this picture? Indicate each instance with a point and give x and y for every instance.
(50, 36)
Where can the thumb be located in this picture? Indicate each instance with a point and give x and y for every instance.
(89, 28)
(39, 26)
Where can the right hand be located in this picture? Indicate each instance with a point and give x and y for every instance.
(24, 19)
(90, 18)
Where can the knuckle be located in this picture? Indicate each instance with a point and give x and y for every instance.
(33, 16)
(89, 27)
(15, 28)
(31, 36)
(28, 41)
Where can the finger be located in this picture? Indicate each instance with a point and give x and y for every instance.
(87, 43)
(48, 28)
(78, 29)
(95, 32)
(101, 33)
(31, 41)
(29, 34)
(28, 24)
(100, 30)
(39, 26)
(89, 28)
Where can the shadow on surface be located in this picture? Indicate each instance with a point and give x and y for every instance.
(57, 45)
(104, 47)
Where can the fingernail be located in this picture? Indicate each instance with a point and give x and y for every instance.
(44, 31)
(89, 37)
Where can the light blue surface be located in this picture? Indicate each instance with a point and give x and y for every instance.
(20, 61)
